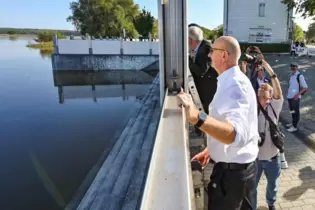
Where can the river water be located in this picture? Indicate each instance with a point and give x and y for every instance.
(47, 148)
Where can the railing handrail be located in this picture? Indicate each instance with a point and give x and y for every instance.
(169, 182)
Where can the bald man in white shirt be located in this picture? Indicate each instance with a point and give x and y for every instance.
(231, 128)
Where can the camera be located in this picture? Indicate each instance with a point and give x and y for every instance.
(262, 138)
(253, 55)
(253, 59)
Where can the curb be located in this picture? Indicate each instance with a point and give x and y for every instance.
(308, 140)
(276, 53)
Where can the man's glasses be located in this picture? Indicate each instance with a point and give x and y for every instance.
(214, 49)
(293, 66)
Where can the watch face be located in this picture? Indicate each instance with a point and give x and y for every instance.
(203, 116)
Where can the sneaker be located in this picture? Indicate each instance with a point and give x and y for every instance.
(288, 125)
(292, 129)
(272, 208)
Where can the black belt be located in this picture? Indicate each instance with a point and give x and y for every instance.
(275, 157)
(232, 166)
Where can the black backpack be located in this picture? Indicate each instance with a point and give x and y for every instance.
(298, 80)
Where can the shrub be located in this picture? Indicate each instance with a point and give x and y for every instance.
(268, 48)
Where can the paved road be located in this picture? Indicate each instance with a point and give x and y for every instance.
(297, 183)
(281, 64)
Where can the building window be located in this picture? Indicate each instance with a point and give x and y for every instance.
(261, 9)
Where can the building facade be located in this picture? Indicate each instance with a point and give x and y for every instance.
(257, 21)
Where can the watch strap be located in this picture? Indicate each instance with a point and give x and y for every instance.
(201, 120)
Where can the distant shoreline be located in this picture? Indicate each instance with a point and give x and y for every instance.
(17, 35)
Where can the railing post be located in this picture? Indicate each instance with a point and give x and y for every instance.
(121, 46)
(55, 43)
(90, 45)
(150, 44)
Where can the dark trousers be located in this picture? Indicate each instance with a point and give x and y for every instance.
(294, 106)
(292, 53)
(231, 189)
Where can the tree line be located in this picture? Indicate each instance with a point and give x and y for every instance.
(108, 18)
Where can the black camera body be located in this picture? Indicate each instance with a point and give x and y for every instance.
(262, 139)
(252, 59)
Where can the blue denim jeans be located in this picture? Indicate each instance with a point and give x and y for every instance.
(271, 169)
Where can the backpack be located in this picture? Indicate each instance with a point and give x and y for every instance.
(298, 80)
(276, 133)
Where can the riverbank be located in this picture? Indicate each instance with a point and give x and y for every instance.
(44, 46)
(17, 35)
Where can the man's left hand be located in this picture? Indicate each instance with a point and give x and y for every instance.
(297, 96)
(186, 101)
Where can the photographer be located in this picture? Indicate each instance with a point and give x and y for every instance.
(270, 101)
(251, 66)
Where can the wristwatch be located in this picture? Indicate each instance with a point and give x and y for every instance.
(201, 119)
(274, 75)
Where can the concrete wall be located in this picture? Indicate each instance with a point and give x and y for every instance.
(242, 15)
(107, 47)
(62, 62)
(109, 77)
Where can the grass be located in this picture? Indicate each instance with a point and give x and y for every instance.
(43, 46)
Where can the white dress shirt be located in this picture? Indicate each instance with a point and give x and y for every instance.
(294, 85)
(235, 101)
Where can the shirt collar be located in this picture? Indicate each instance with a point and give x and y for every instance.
(227, 73)
(295, 73)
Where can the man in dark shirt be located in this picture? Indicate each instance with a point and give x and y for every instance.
(204, 75)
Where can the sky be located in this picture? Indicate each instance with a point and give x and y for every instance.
(53, 14)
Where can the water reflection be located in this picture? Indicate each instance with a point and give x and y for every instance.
(48, 150)
(95, 85)
(45, 53)
(13, 38)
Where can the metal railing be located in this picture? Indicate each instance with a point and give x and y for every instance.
(169, 182)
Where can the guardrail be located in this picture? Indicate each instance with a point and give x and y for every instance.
(169, 182)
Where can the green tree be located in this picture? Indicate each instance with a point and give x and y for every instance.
(298, 33)
(310, 34)
(155, 32)
(11, 32)
(144, 22)
(104, 17)
(47, 36)
(212, 34)
(305, 7)
(219, 30)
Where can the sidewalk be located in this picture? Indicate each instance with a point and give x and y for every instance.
(281, 65)
(296, 184)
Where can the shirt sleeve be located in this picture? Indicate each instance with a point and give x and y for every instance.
(235, 110)
(277, 105)
(303, 82)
